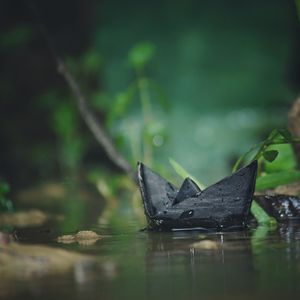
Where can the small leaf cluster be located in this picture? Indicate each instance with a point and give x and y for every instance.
(5, 203)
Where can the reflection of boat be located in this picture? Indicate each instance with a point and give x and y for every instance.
(223, 205)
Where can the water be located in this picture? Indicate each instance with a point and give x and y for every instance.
(260, 263)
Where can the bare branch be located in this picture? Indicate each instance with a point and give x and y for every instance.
(96, 128)
(87, 114)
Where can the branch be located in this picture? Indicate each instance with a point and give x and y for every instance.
(87, 114)
(96, 128)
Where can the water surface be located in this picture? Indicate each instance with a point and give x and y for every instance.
(260, 263)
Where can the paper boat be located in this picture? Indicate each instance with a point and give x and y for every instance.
(224, 205)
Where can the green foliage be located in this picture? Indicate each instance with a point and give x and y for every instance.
(262, 149)
(91, 62)
(272, 180)
(64, 119)
(140, 55)
(270, 155)
(160, 95)
(285, 160)
(277, 145)
(134, 128)
(65, 123)
(15, 37)
(260, 215)
(100, 101)
(72, 145)
(275, 155)
(283, 171)
(121, 104)
(277, 159)
(183, 173)
(140, 131)
(5, 203)
(128, 114)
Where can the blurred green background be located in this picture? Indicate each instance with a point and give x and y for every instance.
(196, 81)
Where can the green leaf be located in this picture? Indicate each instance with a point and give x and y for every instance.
(141, 54)
(161, 96)
(285, 161)
(183, 173)
(4, 188)
(100, 101)
(121, 104)
(273, 180)
(270, 155)
(15, 37)
(285, 134)
(64, 120)
(92, 62)
(276, 137)
(5, 203)
(260, 215)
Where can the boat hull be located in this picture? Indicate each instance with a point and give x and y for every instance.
(224, 205)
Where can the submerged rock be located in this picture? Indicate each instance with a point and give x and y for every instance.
(84, 237)
(224, 205)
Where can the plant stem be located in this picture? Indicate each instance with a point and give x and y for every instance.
(90, 119)
(262, 146)
(143, 87)
(243, 157)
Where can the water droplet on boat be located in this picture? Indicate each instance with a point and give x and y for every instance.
(187, 214)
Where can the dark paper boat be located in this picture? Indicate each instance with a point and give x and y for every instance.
(224, 205)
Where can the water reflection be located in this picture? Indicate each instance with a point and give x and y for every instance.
(259, 263)
(210, 269)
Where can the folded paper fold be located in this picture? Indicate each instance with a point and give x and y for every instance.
(223, 205)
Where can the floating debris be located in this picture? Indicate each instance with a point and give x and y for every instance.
(84, 237)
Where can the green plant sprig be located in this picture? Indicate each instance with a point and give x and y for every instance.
(183, 173)
(276, 137)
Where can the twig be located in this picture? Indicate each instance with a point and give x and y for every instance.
(87, 114)
(96, 128)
